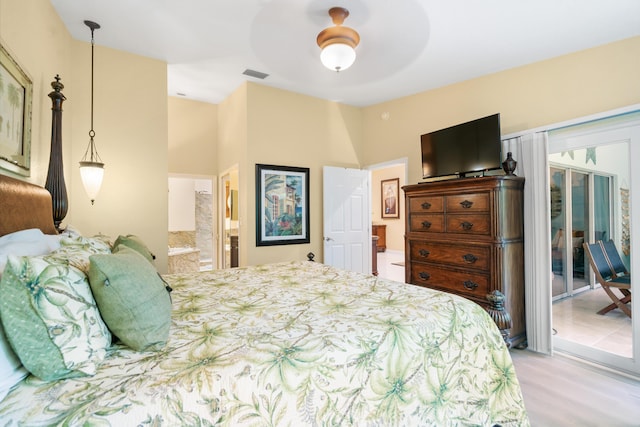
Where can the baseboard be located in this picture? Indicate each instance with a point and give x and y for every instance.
(620, 374)
(392, 252)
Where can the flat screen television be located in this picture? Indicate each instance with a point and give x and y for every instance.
(468, 148)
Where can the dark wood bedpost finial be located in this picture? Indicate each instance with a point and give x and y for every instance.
(311, 256)
(55, 176)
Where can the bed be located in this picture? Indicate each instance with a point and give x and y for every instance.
(287, 344)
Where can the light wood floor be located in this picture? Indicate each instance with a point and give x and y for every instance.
(559, 391)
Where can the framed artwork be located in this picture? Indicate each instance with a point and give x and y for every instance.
(16, 94)
(389, 196)
(282, 205)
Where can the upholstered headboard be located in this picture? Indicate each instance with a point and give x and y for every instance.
(24, 205)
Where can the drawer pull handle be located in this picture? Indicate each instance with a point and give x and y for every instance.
(426, 224)
(470, 285)
(469, 258)
(426, 205)
(466, 204)
(424, 275)
(466, 225)
(424, 253)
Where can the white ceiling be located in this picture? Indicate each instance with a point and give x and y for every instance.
(407, 46)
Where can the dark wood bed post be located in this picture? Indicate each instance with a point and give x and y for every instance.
(55, 176)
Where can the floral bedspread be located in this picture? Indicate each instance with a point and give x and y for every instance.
(295, 344)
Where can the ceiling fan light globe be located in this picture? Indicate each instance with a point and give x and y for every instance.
(338, 56)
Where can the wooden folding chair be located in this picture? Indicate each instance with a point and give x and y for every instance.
(608, 277)
(614, 258)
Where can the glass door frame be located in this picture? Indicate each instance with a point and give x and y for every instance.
(614, 129)
(565, 240)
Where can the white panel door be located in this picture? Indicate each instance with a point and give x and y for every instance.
(347, 219)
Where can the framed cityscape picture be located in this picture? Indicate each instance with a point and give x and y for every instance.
(282, 205)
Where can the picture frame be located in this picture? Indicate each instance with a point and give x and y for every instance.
(16, 97)
(282, 205)
(389, 192)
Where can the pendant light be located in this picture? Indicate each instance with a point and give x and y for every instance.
(91, 166)
(338, 43)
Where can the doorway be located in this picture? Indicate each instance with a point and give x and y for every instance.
(590, 181)
(191, 223)
(229, 219)
(390, 247)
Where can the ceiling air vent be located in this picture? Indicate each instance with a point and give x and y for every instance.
(256, 74)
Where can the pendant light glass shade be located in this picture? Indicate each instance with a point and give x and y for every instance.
(91, 166)
(92, 174)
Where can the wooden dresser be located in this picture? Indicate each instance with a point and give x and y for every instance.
(465, 236)
(381, 232)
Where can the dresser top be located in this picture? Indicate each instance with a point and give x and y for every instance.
(466, 184)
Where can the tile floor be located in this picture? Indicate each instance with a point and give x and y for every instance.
(388, 267)
(574, 319)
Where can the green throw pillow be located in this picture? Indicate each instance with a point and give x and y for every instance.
(51, 319)
(135, 243)
(132, 298)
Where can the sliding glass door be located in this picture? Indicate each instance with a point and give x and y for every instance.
(580, 202)
(590, 181)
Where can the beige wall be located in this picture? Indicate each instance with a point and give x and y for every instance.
(259, 124)
(130, 121)
(193, 137)
(395, 226)
(38, 41)
(547, 92)
(232, 130)
(232, 157)
(290, 129)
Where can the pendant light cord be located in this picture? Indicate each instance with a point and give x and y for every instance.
(92, 132)
(91, 155)
(91, 166)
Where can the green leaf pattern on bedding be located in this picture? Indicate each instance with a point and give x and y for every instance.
(296, 344)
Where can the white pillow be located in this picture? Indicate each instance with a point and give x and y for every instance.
(11, 370)
(53, 240)
(28, 235)
(29, 242)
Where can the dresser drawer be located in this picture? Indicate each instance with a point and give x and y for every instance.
(470, 284)
(455, 255)
(425, 222)
(468, 224)
(426, 204)
(478, 202)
